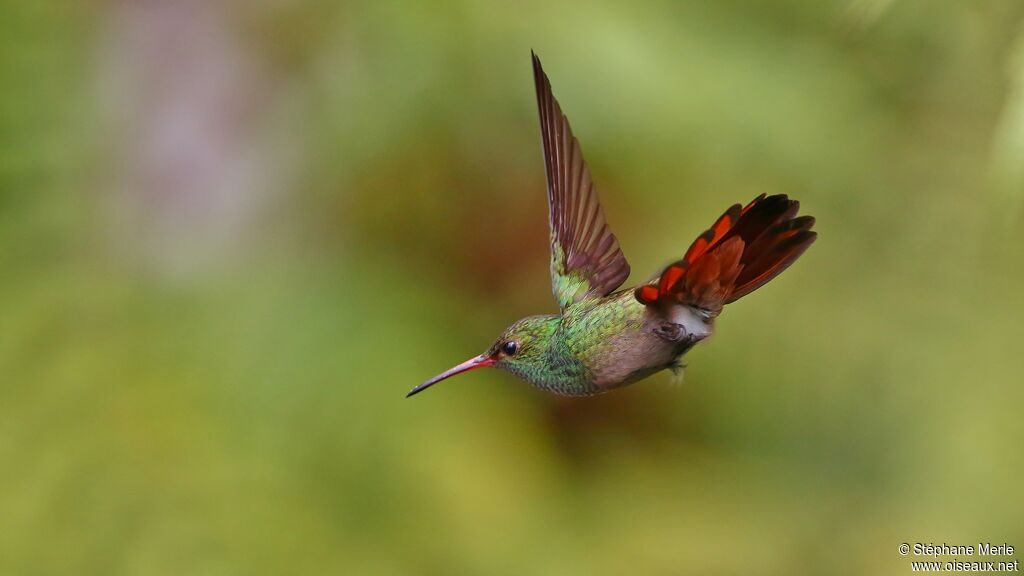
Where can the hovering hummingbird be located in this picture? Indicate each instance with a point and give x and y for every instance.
(604, 339)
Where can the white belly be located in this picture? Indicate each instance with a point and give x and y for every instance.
(693, 321)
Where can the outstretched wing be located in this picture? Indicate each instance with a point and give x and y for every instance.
(586, 260)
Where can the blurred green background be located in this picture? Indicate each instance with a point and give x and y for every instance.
(233, 235)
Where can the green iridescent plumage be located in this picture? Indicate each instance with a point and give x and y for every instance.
(568, 353)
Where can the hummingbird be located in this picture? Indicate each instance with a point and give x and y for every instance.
(605, 338)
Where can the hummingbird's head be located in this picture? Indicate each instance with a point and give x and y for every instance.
(520, 349)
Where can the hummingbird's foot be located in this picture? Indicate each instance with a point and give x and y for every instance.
(672, 332)
(677, 334)
(677, 368)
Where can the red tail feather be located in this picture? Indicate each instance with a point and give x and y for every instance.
(743, 250)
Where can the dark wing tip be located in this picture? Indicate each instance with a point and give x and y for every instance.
(538, 70)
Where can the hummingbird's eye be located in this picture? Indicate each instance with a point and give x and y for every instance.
(510, 348)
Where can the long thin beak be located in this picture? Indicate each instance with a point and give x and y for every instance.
(480, 361)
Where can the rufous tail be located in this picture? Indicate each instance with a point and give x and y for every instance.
(745, 249)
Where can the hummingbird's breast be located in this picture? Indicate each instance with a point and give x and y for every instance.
(618, 340)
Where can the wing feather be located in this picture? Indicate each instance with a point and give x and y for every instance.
(586, 261)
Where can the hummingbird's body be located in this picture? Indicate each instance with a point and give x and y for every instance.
(604, 339)
(600, 344)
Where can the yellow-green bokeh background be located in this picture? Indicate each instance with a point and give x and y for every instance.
(233, 235)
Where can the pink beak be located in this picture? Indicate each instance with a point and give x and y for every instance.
(481, 361)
